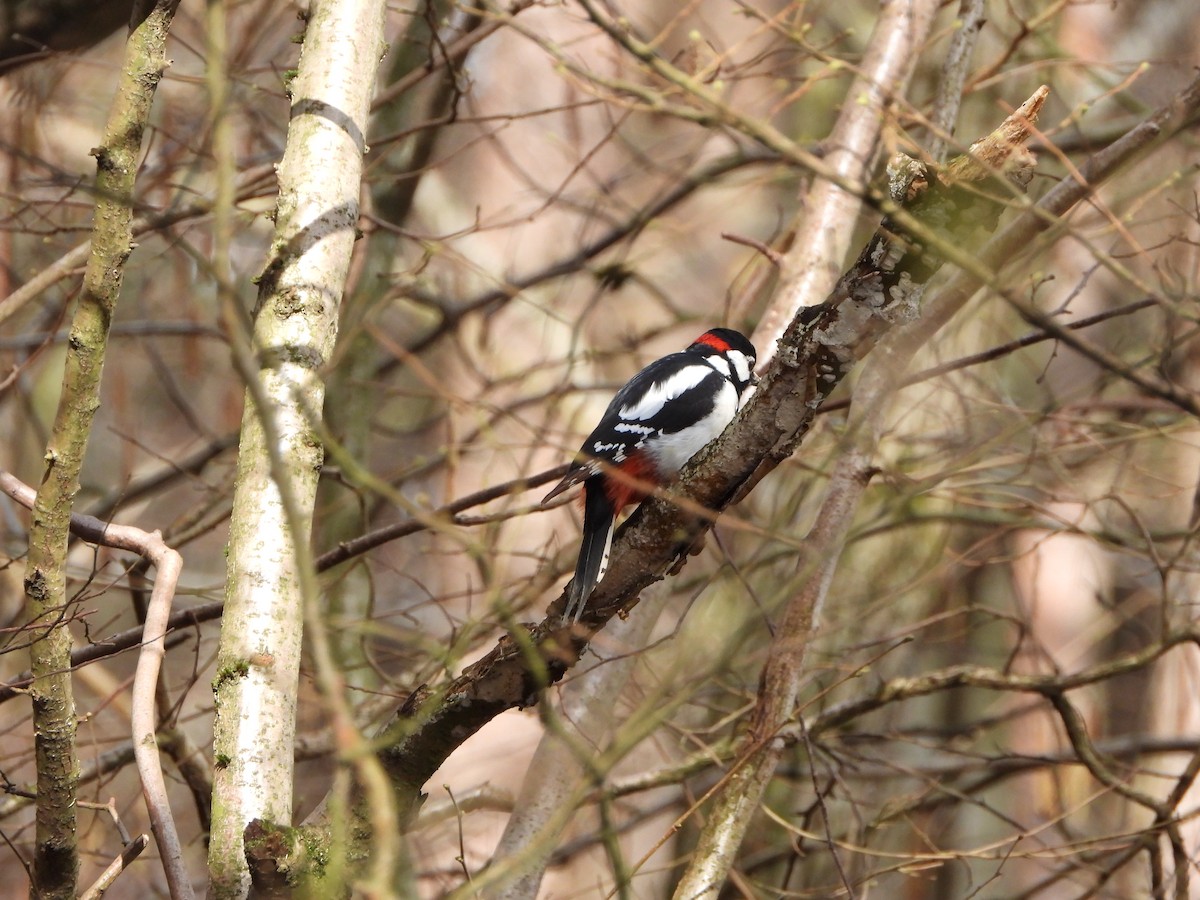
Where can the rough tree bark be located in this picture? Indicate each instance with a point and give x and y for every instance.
(270, 567)
(56, 861)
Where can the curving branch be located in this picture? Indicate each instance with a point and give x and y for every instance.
(143, 719)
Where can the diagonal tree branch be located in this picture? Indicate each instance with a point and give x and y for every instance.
(765, 433)
(433, 723)
(817, 350)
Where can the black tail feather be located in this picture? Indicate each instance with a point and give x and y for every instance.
(598, 518)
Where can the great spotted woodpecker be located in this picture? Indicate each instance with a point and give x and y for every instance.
(655, 424)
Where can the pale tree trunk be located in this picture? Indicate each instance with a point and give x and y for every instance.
(270, 572)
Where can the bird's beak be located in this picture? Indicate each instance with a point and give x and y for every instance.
(754, 379)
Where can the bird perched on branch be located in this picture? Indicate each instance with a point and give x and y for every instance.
(658, 421)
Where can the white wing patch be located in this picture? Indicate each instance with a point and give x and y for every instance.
(662, 392)
(634, 428)
(613, 451)
(741, 365)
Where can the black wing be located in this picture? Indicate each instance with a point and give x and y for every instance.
(669, 395)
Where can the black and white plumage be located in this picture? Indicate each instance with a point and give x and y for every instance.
(658, 421)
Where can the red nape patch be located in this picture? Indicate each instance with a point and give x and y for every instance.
(711, 340)
(621, 482)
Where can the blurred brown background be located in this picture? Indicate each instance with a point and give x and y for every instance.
(532, 235)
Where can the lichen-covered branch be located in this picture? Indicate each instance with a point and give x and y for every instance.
(56, 861)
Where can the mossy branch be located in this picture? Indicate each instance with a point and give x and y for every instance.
(56, 860)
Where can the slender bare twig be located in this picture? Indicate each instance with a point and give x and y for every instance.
(830, 844)
(206, 612)
(954, 75)
(114, 869)
(34, 339)
(372, 539)
(1001, 350)
(94, 769)
(1085, 750)
(626, 230)
(252, 183)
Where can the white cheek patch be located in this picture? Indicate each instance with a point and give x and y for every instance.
(741, 365)
(660, 393)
